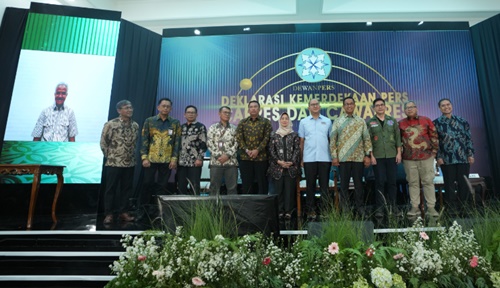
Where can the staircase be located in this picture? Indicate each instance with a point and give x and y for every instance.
(58, 258)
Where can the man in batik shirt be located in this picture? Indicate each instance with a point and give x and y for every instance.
(193, 148)
(455, 154)
(350, 146)
(56, 123)
(253, 135)
(420, 145)
(223, 154)
(118, 143)
(161, 141)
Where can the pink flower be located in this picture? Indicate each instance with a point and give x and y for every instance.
(474, 261)
(398, 256)
(197, 281)
(424, 235)
(266, 261)
(369, 252)
(333, 248)
(141, 257)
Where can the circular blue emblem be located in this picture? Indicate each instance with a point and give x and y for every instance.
(313, 65)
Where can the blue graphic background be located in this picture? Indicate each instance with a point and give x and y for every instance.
(420, 66)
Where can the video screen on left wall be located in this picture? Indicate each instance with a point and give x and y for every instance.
(61, 96)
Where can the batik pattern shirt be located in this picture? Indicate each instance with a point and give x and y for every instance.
(161, 140)
(455, 141)
(254, 134)
(193, 143)
(419, 137)
(222, 140)
(350, 139)
(285, 149)
(56, 124)
(385, 138)
(118, 142)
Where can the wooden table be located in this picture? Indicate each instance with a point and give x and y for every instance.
(37, 170)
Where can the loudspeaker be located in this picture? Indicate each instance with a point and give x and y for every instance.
(251, 213)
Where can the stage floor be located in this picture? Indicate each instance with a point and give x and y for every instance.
(78, 206)
(93, 222)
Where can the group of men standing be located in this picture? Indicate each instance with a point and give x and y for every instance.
(353, 144)
(348, 142)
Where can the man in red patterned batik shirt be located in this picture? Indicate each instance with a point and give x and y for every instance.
(420, 145)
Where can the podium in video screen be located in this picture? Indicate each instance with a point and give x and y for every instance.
(251, 213)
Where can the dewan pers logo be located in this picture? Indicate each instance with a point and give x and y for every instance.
(313, 65)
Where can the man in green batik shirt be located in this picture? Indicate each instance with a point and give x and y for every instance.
(161, 141)
(253, 135)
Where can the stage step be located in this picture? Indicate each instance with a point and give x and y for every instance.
(58, 258)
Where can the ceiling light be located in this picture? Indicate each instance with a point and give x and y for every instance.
(197, 32)
(368, 23)
(420, 23)
(246, 29)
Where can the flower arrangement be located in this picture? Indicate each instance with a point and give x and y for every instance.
(447, 258)
(450, 257)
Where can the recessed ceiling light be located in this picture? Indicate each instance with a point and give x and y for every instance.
(369, 23)
(420, 23)
(197, 32)
(246, 29)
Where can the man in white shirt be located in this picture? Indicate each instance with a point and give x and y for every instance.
(56, 123)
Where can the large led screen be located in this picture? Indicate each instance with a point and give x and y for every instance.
(284, 71)
(61, 96)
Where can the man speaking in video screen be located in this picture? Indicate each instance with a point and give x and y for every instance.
(56, 123)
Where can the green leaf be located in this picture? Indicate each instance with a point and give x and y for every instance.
(414, 282)
(481, 283)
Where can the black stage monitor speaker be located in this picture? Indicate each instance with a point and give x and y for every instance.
(251, 213)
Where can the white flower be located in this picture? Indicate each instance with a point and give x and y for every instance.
(381, 277)
(158, 274)
(219, 238)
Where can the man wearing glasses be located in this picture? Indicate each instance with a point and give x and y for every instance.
(385, 156)
(56, 123)
(223, 158)
(118, 142)
(192, 152)
(314, 131)
(420, 145)
(350, 146)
